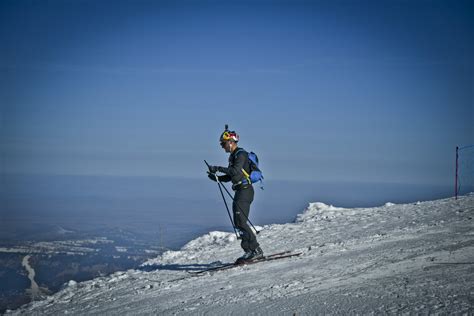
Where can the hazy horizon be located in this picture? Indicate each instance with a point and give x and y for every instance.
(143, 204)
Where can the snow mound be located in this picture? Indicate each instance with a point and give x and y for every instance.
(210, 240)
(320, 211)
(71, 283)
(195, 249)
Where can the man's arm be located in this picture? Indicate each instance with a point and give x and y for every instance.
(224, 178)
(236, 169)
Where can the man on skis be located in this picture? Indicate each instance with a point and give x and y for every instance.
(244, 192)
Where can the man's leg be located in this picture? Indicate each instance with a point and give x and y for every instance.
(241, 209)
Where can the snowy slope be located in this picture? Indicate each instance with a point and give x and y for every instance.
(416, 258)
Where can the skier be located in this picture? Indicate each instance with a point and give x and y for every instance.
(244, 192)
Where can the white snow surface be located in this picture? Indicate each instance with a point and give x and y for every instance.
(395, 259)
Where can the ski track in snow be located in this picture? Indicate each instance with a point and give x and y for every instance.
(412, 259)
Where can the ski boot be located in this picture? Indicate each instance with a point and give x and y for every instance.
(244, 257)
(250, 256)
(256, 254)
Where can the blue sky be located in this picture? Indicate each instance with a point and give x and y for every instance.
(364, 91)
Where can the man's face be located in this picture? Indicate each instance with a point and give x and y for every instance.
(226, 146)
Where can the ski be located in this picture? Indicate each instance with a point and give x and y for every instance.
(275, 256)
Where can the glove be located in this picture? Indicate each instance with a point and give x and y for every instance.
(213, 169)
(212, 176)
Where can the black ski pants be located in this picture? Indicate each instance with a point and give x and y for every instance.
(241, 208)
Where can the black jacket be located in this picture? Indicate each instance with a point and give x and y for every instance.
(238, 160)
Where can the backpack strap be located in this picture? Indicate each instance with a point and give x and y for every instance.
(238, 151)
(247, 176)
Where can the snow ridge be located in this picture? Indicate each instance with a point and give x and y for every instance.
(396, 258)
(318, 210)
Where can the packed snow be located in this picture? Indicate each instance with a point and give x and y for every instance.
(407, 258)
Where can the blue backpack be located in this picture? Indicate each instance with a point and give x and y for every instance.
(256, 174)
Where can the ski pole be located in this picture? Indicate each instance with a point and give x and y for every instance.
(225, 188)
(257, 231)
(223, 198)
(227, 207)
